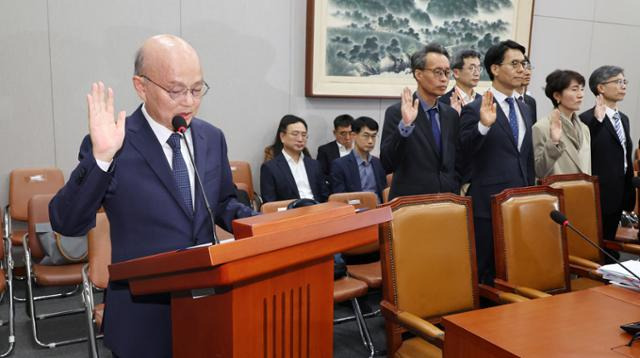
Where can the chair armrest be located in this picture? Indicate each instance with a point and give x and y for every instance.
(579, 261)
(586, 272)
(499, 296)
(420, 327)
(622, 246)
(520, 290)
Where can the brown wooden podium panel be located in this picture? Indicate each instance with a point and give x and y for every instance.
(267, 295)
(576, 324)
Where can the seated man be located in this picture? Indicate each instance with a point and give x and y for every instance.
(338, 148)
(359, 171)
(291, 174)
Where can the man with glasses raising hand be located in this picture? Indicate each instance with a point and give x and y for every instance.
(139, 170)
(419, 133)
(466, 71)
(611, 146)
(495, 137)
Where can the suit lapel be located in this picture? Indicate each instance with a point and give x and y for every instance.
(503, 122)
(146, 143)
(281, 161)
(355, 171)
(199, 148)
(444, 131)
(423, 123)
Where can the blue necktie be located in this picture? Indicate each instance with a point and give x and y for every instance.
(513, 119)
(180, 172)
(435, 128)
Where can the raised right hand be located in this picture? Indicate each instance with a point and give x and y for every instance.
(488, 110)
(408, 107)
(600, 110)
(107, 133)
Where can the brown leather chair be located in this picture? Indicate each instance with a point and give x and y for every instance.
(530, 249)
(582, 208)
(274, 206)
(23, 184)
(46, 275)
(95, 275)
(428, 271)
(241, 173)
(6, 283)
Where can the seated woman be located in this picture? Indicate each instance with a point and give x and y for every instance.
(561, 142)
(292, 173)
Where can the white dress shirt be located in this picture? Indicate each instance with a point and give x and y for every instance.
(343, 150)
(162, 133)
(299, 173)
(501, 98)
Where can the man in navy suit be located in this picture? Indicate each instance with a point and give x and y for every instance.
(338, 148)
(466, 71)
(495, 136)
(611, 146)
(420, 133)
(359, 170)
(137, 169)
(291, 174)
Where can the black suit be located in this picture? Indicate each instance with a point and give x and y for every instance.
(446, 98)
(531, 102)
(496, 164)
(277, 182)
(418, 166)
(327, 153)
(607, 162)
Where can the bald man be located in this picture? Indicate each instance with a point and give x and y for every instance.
(139, 170)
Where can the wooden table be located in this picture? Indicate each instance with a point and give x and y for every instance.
(577, 324)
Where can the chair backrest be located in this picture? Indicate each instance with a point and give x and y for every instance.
(530, 248)
(581, 195)
(241, 173)
(360, 200)
(99, 251)
(385, 194)
(38, 212)
(274, 206)
(25, 183)
(428, 255)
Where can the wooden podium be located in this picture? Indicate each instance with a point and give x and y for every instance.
(268, 293)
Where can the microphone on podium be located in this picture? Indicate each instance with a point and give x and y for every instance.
(180, 125)
(561, 219)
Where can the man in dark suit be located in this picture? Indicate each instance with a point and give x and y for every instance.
(611, 146)
(523, 95)
(419, 134)
(291, 174)
(466, 71)
(140, 173)
(339, 147)
(359, 170)
(495, 134)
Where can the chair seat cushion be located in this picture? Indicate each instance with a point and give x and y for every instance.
(370, 273)
(347, 288)
(582, 283)
(98, 313)
(418, 347)
(58, 275)
(17, 236)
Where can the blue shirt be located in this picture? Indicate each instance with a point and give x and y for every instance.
(367, 177)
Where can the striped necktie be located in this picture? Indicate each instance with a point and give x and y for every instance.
(513, 118)
(180, 172)
(617, 125)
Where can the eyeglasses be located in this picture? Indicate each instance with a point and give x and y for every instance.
(296, 134)
(180, 93)
(474, 68)
(439, 72)
(619, 82)
(526, 65)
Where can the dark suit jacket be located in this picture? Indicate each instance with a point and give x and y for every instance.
(495, 162)
(531, 102)
(616, 189)
(277, 182)
(327, 153)
(345, 175)
(416, 165)
(147, 216)
(446, 98)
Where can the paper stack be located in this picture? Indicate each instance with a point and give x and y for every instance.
(621, 277)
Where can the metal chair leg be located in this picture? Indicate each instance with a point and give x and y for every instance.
(9, 273)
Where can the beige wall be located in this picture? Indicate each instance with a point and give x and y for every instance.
(253, 58)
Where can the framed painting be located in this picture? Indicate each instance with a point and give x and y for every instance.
(362, 48)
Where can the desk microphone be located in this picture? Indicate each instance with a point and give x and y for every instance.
(180, 126)
(561, 219)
